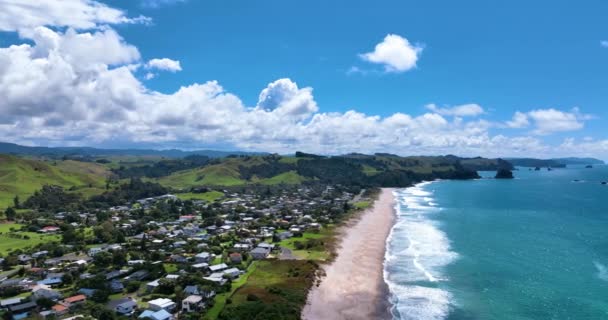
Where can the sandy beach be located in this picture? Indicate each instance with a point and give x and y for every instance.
(353, 286)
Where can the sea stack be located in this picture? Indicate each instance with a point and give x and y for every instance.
(504, 174)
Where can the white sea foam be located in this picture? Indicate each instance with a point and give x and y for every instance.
(602, 271)
(416, 253)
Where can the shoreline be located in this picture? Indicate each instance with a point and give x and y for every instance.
(353, 285)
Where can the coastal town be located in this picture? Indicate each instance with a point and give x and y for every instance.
(161, 257)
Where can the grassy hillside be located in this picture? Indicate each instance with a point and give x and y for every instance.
(22, 177)
(352, 169)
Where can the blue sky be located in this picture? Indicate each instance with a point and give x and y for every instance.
(544, 59)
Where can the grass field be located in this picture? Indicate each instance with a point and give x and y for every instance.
(278, 286)
(22, 177)
(214, 175)
(320, 252)
(210, 196)
(362, 204)
(8, 244)
(290, 177)
(220, 299)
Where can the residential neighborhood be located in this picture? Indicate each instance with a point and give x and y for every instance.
(162, 257)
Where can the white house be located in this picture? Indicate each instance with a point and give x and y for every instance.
(192, 303)
(161, 304)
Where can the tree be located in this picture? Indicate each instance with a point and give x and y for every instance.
(45, 303)
(10, 213)
(16, 201)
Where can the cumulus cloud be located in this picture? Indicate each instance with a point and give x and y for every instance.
(285, 98)
(57, 89)
(165, 64)
(520, 120)
(465, 110)
(395, 53)
(548, 121)
(23, 16)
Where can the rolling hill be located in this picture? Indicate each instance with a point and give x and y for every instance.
(19, 176)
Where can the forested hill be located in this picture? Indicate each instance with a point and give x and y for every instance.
(379, 170)
(106, 178)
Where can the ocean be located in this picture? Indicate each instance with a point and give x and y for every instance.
(535, 247)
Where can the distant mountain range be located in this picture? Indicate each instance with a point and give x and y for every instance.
(553, 163)
(15, 149)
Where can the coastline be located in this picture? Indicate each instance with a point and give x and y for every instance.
(353, 285)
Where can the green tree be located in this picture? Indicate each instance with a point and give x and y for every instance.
(16, 201)
(10, 213)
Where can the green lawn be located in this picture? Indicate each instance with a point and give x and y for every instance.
(8, 244)
(220, 299)
(210, 196)
(170, 267)
(362, 204)
(316, 253)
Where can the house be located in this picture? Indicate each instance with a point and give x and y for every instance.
(200, 266)
(60, 310)
(87, 292)
(74, 301)
(265, 245)
(23, 307)
(45, 291)
(241, 247)
(116, 286)
(191, 290)
(203, 257)
(137, 275)
(217, 277)
(125, 306)
(259, 253)
(150, 286)
(232, 273)
(236, 257)
(218, 267)
(9, 302)
(39, 254)
(284, 235)
(24, 258)
(94, 251)
(161, 304)
(158, 315)
(52, 279)
(192, 303)
(49, 229)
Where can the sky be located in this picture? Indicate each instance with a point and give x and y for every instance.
(471, 78)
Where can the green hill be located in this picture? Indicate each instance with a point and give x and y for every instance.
(352, 169)
(22, 177)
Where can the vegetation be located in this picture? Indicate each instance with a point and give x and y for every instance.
(23, 177)
(275, 290)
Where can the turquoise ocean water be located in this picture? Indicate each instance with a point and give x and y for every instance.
(535, 247)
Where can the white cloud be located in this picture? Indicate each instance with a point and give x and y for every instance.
(24, 16)
(520, 120)
(548, 121)
(395, 53)
(159, 3)
(465, 110)
(65, 86)
(165, 64)
(285, 98)
(604, 43)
